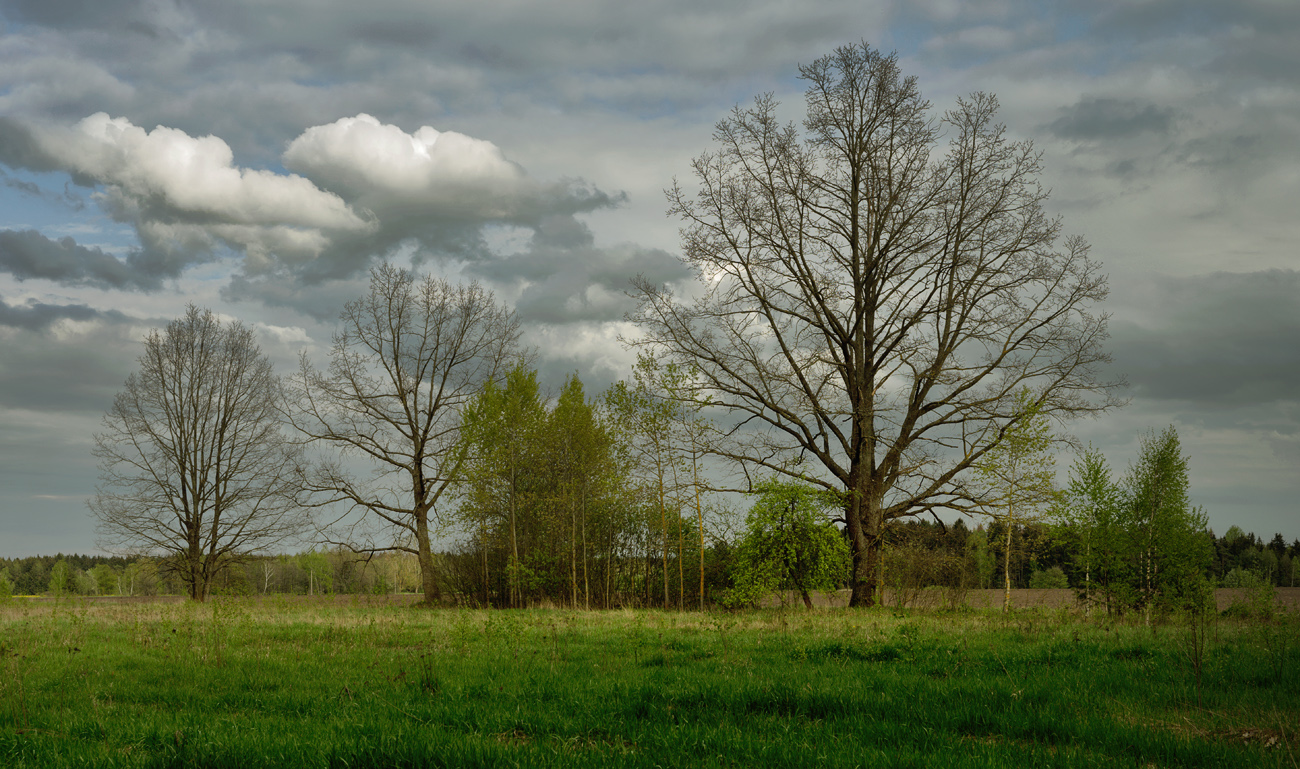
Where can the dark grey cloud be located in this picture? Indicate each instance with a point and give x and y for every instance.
(564, 277)
(1169, 18)
(74, 14)
(1102, 118)
(39, 316)
(75, 370)
(1215, 341)
(29, 255)
(320, 300)
(20, 147)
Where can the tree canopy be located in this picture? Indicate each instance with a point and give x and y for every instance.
(869, 304)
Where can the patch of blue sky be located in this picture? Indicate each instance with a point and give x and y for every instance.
(49, 204)
(907, 37)
(31, 199)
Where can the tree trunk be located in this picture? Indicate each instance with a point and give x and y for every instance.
(425, 555)
(865, 533)
(663, 523)
(198, 580)
(487, 597)
(586, 580)
(699, 518)
(1006, 570)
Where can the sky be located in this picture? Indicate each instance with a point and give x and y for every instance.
(257, 157)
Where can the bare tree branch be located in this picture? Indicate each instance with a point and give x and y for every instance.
(872, 303)
(410, 355)
(192, 461)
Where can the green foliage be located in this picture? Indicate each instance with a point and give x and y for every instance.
(106, 579)
(1242, 578)
(543, 500)
(1091, 517)
(982, 560)
(6, 585)
(789, 544)
(61, 579)
(1138, 544)
(1172, 547)
(320, 574)
(1019, 472)
(1049, 579)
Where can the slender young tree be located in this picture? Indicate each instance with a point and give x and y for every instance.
(648, 419)
(410, 356)
(193, 463)
(1018, 474)
(582, 460)
(1171, 547)
(868, 304)
(503, 441)
(1091, 516)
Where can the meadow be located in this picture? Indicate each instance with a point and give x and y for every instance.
(344, 683)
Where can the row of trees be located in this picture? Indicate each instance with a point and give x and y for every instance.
(428, 422)
(875, 315)
(313, 572)
(1138, 541)
(918, 554)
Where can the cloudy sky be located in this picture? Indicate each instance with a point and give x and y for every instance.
(258, 157)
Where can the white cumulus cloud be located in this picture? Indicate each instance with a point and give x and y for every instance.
(194, 176)
(388, 171)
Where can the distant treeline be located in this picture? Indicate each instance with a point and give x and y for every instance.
(927, 553)
(918, 554)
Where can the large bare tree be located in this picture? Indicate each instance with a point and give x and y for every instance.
(192, 460)
(411, 354)
(869, 304)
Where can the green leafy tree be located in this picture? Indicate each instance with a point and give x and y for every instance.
(648, 418)
(1091, 517)
(107, 580)
(61, 579)
(1052, 578)
(1172, 548)
(790, 543)
(982, 561)
(6, 585)
(320, 573)
(502, 434)
(1018, 475)
(581, 456)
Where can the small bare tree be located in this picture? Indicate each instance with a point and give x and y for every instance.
(192, 460)
(411, 354)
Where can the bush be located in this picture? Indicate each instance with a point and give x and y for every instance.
(1242, 578)
(1048, 579)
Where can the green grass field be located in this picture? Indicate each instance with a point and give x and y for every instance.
(247, 683)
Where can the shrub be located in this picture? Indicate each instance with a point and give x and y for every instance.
(1048, 579)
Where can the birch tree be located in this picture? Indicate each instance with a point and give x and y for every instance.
(1018, 476)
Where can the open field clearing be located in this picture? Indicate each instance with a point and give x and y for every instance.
(248, 683)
